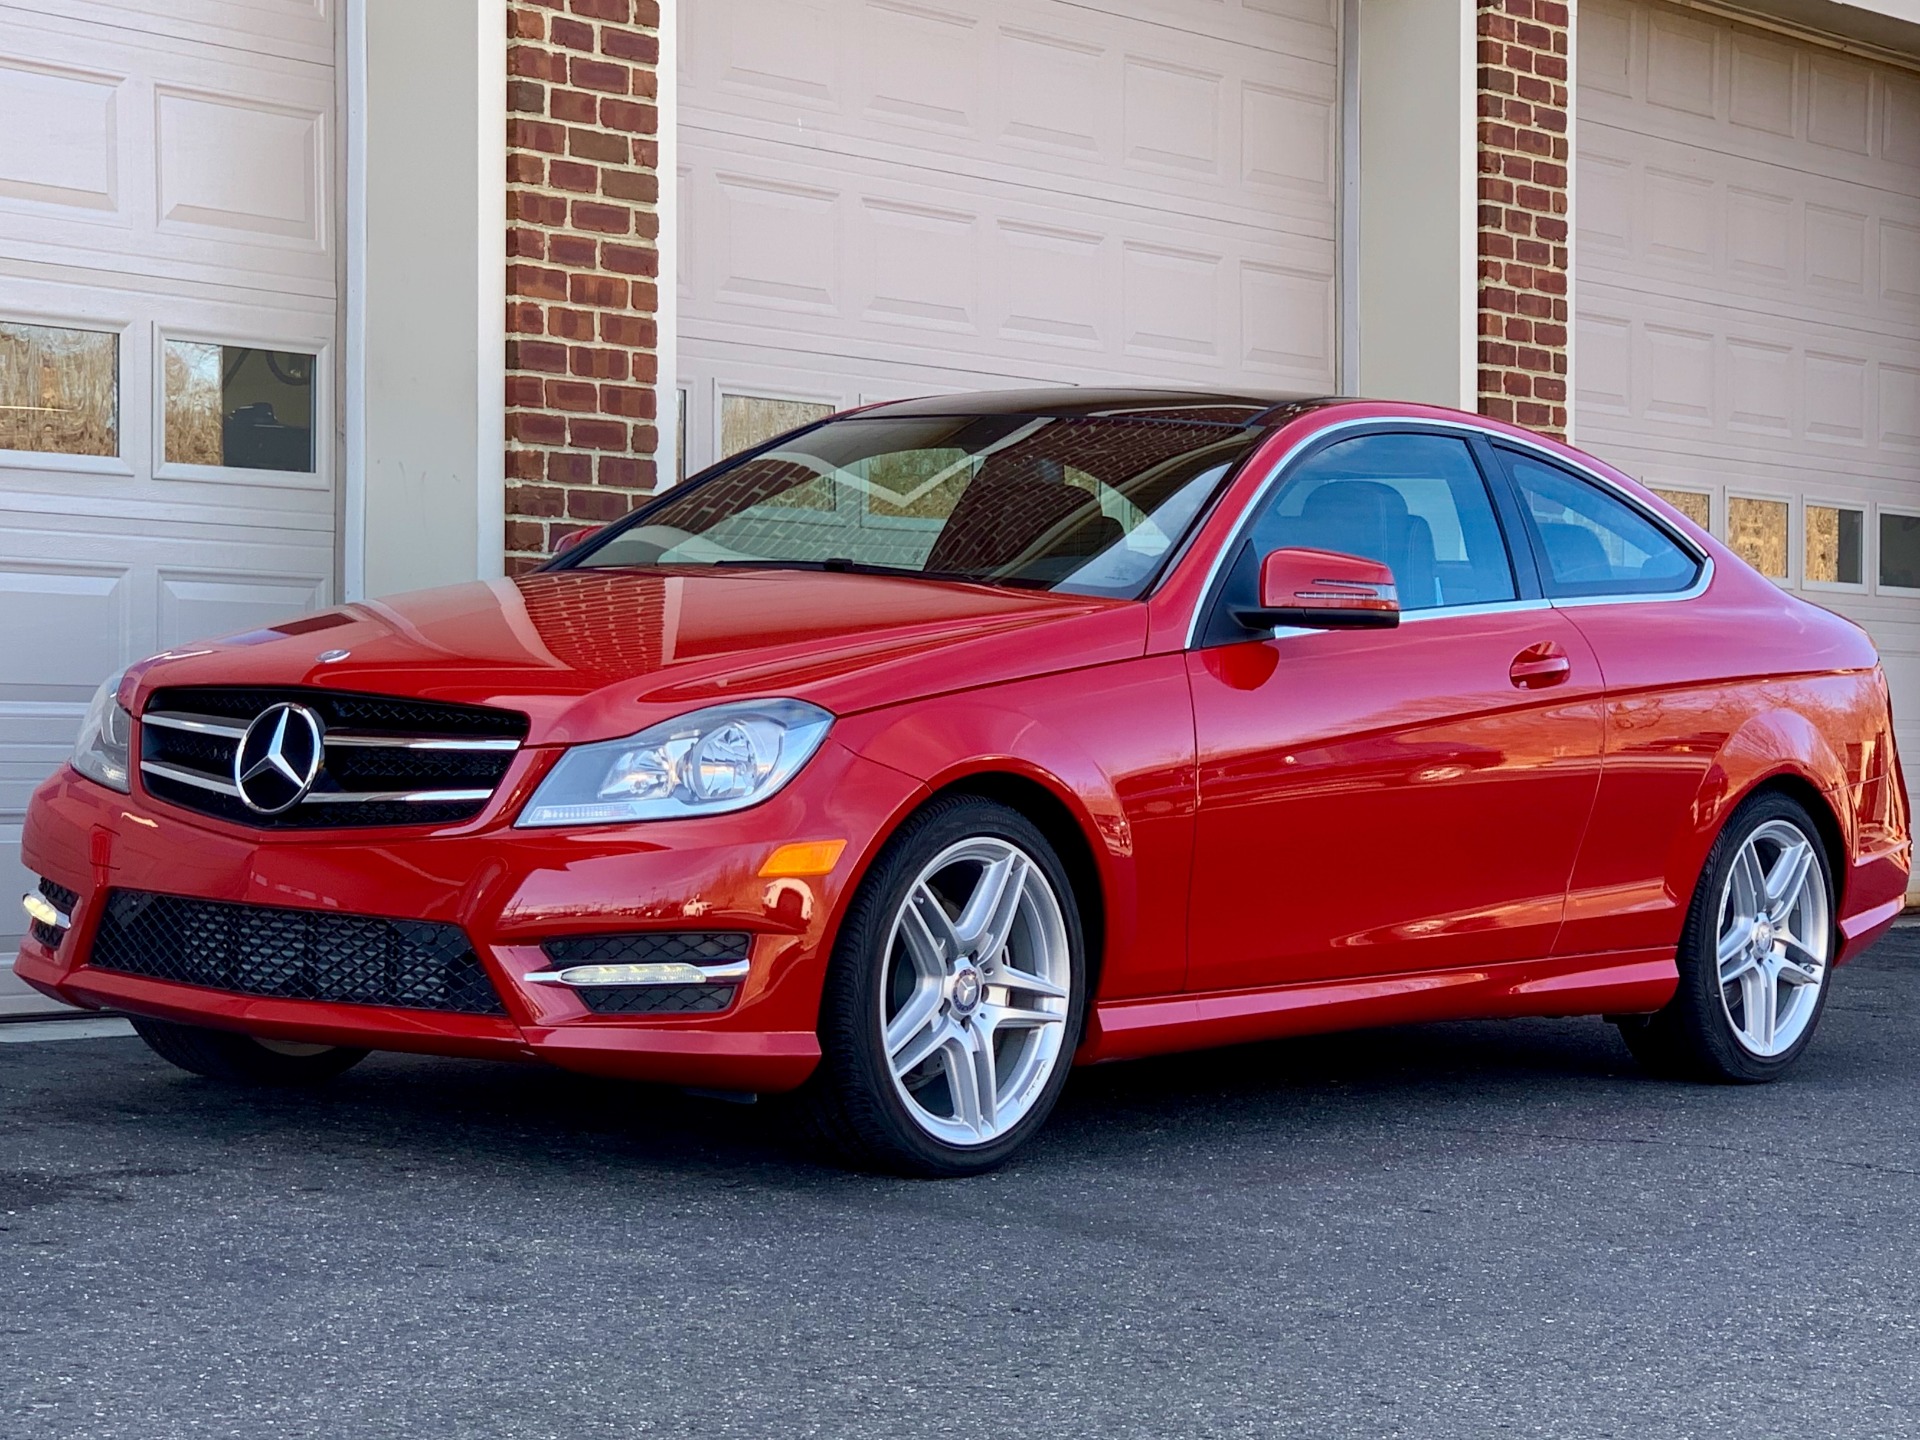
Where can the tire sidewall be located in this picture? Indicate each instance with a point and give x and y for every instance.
(851, 1037)
(1704, 1010)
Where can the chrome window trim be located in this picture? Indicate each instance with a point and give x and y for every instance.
(1414, 425)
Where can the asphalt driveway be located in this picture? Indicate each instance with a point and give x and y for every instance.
(1453, 1230)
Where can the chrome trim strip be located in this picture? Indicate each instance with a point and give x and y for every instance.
(38, 907)
(371, 797)
(194, 724)
(196, 778)
(1280, 467)
(318, 797)
(673, 972)
(406, 742)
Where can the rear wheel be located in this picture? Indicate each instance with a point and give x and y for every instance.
(955, 997)
(1755, 956)
(245, 1059)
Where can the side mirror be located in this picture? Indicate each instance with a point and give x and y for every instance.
(1323, 590)
(574, 537)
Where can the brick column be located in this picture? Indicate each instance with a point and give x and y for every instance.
(1524, 242)
(582, 225)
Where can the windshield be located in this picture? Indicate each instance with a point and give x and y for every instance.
(1086, 506)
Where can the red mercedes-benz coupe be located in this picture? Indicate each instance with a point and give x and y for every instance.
(922, 752)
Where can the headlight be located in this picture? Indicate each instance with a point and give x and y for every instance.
(102, 752)
(723, 758)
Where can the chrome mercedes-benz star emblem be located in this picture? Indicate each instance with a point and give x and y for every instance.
(279, 758)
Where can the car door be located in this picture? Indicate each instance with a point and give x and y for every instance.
(1375, 802)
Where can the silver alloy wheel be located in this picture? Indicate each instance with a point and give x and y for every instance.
(975, 994)
(1775, 938)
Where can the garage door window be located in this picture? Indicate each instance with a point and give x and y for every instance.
(1757, 533)
(59, 390)
(1696, 505)
(1590, 543)
(239, 407)
(750, 420)
(1835, 545)
(1899, 551)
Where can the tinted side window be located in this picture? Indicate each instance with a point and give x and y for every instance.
(1592, 543)
(1417, 503)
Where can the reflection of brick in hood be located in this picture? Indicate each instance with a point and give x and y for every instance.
(253, 438)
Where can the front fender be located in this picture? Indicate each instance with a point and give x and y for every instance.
(1114, 746)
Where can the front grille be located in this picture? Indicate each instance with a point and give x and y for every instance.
(292, 954)
(63, 900)
(385, 760)
(652, 948)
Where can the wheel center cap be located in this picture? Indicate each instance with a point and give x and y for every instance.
(1763, 933)
(966, 989)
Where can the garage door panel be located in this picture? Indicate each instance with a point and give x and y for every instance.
(298, 29)
(167, 158)
(927, 269)
(165, 173)
(1662, 359)
(1748, 324)
(1026, 92)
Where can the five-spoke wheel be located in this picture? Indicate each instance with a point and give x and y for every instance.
(1755, 953)
(955, 996)
(974, 1003)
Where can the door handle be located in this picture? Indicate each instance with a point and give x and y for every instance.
(1538, 666)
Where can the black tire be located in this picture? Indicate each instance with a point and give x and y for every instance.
(1693, 1037)
(241, 1059)
(850, 1107)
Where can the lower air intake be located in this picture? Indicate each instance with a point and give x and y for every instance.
(293, 954)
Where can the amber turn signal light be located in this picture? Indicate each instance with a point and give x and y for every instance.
(803, 857)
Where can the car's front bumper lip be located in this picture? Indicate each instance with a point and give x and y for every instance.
(508, 890)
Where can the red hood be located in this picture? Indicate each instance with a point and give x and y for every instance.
(596, 654)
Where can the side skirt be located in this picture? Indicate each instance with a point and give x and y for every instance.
(1621, 982)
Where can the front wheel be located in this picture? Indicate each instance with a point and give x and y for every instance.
(1755, 956)
(244, 1059)
(954, 999)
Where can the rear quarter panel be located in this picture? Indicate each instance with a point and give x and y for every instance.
(1707, 700)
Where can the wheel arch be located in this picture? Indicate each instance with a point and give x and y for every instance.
(1064, 831)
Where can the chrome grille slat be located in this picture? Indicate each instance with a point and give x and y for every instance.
(194, 724)
(377, 768)
(199, 779)
(409, 742)
(393, 797)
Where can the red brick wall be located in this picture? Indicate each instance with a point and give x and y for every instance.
(582, 262)
(1524, 241)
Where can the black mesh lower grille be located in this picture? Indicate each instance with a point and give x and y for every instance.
(293, 954)
(664, 947)
(63, 900)
(656, 999)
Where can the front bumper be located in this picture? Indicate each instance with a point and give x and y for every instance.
(509, 891)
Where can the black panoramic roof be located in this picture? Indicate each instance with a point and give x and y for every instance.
(1190, 406)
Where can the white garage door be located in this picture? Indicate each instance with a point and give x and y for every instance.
(881, 198)
(1748, 306)
(166, 349)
